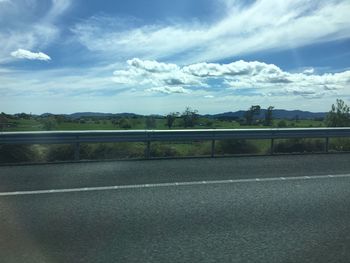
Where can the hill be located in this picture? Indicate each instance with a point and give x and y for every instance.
(277, 114)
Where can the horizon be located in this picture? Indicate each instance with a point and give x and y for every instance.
(155, 56)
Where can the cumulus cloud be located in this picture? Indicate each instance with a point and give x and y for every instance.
(309, 71)
(168, 90)
(257, 77)
(242, 29)
(156, 76)
(152, 66)
(238, 68)
(26, 54)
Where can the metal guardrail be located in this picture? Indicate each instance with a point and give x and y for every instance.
(148, 136)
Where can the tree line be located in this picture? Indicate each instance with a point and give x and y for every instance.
(338, 116)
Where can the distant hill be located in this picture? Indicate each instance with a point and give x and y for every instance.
(277, 114)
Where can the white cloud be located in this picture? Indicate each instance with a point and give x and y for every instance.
(58, 7)
(152, 66)
(255, 77)
(309, 71)
(260, 26)
(26, 54)
(238, 68)
(169, 90)
(156, 76)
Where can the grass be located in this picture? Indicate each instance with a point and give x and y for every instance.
(140, 123)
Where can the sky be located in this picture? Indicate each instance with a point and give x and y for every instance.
(160, 56)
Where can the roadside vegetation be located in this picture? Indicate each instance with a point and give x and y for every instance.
(338, 116)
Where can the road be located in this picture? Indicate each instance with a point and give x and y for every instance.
(289, 219)
(75, 175)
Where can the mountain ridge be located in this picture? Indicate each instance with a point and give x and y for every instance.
(277, 113)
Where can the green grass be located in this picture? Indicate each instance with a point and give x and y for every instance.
(140, 123)
(24, 125)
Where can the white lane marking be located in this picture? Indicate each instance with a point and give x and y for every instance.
(120, 187)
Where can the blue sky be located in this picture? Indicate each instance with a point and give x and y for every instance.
(159, 56)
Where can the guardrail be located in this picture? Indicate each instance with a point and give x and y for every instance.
(148, 136)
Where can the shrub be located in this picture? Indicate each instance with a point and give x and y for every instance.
(299, 145)
(209, 123)
(161, 150)
(124, 124)
(18, 153)
(282, 124)
(340, 144)
(236, 146)
(49, 124)
(150, 123)
(60, 153)
(113, 151)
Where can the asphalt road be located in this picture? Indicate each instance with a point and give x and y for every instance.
(306, 220)
(293, 220)
(75, 175)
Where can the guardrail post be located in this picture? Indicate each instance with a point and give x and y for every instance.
(76, 151)
(148, 146)
(327, 145)
(212, 148)
(272, 146)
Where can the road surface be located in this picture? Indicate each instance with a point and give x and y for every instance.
(91, 174)
(290, 216)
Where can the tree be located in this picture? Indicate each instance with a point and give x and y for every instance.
(60, 119)
(339, 116)
(282, 124)
(124, 123)
(23, 115)
(3, 120)
(209, 123)
(189, 117)
(150, 122)
(268, 116)
(115, 122)
(249, 115)
(49, 124)
(297, 118)
(170, 119)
